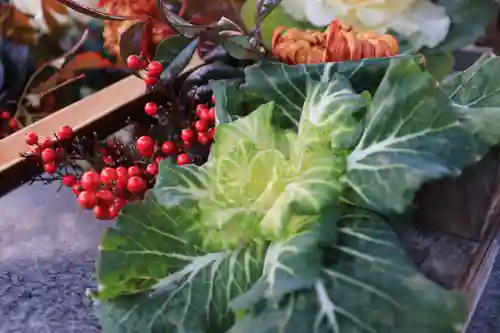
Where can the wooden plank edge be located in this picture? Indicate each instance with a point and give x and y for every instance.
(478, 284)
(479, 269)
(104, 109)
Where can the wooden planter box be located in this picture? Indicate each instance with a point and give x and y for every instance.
(452, 238)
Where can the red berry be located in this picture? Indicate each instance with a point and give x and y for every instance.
(113, 212)
(48, 155)
(205, 116)
(151, 108)
(152, 169)
(183, 159)
(120, 203)
(136, 184)
(211, 133)
(187, 144)
(145, 145)
(200, 108)
(134, 171)
(13, 123)
(31, 138)
(5, 115)
(213, 100)
(50, 167)
(46, 143)
(187, 135)
(76, 189)
(65, 133)
(149, 80)
(211, 114)
(158, 159)
(203, 138)
(122, 172)
(121, 183)
(155, 68)
(105, 198)
(91, 181)
(108, 160)
(201, 126)
(100, 212)
(134, 62)
(87, 199)
(69, 180)
(168, 148)
(108, 176)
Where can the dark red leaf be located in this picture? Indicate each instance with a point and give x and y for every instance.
(130, 41)
(89, 11)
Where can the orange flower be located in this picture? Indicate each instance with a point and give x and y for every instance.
(338, 43)
(113, 29)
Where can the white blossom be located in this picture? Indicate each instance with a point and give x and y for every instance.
(34, 8)
(420, 21)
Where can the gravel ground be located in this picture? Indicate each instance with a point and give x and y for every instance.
(47, 248)
(487, 316)
(48, 296)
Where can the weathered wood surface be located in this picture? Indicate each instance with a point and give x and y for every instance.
(460, 205)
(452, 238)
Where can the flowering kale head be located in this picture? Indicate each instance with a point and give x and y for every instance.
(16, 66)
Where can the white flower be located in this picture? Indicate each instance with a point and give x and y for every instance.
(34, 8)
(421, 21)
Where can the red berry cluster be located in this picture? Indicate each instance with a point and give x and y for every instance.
(106, 189)
(201, 131)
(49, 151)
(107, 192)
(153, 70)
(11, 122)
(121, 173)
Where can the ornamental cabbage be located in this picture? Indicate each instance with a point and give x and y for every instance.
(286, 227)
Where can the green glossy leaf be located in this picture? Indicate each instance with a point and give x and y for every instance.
(331, 115)
(289, 266)
(476, 96)
(130, 40)
(239, 47)
(412, 135)
(194, 299)
(286, 84)
(181, 26)
(169, 48)
(469, 20)
(231, 102)
(139, 252)
(226, 97)
(369, 285)
(439, 64)
(271, 21)
(180, 62)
